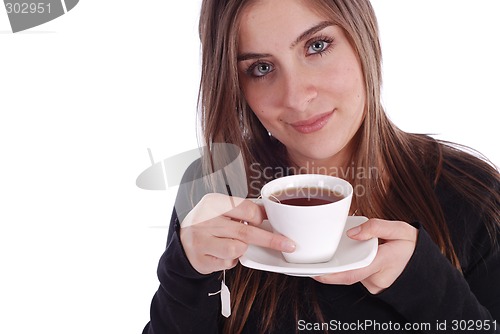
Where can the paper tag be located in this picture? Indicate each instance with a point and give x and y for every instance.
(225, 297)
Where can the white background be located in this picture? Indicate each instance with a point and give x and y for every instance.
(84, 96)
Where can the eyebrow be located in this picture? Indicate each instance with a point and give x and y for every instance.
(246, 56)
(311, 31)
(306, 34)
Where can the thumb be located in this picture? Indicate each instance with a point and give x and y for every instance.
(383, 229)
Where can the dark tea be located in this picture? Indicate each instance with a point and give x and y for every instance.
(306, 196)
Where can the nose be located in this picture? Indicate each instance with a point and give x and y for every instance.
(298, 89)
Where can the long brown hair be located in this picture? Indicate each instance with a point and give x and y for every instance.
(400, 170)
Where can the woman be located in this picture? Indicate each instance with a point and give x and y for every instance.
(296, 86)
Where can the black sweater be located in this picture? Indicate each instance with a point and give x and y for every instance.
(430, 296)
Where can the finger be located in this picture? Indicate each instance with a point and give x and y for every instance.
(255, 236)
(248, 211)
(211, 205)
(383, 229)
(348, 277)
(214, 205)
(212, 264)
(225, 249)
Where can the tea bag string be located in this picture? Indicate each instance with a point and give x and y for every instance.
(225, 294)
(270, 196)
(225, 297)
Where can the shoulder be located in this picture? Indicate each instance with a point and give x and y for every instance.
(467, 189)
(466, 173)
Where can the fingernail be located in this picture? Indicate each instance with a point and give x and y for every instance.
(354, 231)
(288, 246)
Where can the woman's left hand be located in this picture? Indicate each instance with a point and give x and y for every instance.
(396, 245)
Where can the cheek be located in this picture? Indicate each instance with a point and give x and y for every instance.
(349, 88)
(259, 100)
(346, 79)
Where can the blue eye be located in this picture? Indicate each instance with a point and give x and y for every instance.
(318, 46)
(260, 69)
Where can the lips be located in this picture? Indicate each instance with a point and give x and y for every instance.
(312, 124)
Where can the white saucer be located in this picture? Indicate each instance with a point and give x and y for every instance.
(350, 254)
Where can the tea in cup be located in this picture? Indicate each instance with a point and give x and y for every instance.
(311, 210)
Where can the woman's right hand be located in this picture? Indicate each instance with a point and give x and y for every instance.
(214, 236)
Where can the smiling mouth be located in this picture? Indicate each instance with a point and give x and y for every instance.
(312, 124)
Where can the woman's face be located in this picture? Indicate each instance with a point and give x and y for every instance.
(302, 79)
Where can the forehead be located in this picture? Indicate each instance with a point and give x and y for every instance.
(274, 22)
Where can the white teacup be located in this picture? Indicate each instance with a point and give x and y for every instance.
(315, 228)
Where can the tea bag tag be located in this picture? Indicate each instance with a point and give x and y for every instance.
(225, 297)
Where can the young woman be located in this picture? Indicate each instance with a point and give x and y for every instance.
(295, 85)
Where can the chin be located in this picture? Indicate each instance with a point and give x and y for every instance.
(319, 153)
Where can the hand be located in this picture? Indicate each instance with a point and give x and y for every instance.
(214, 236)
(396, 245)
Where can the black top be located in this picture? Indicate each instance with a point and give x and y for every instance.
(430, 295)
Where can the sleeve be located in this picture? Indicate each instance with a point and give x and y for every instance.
(431, 290)
(181, 303)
